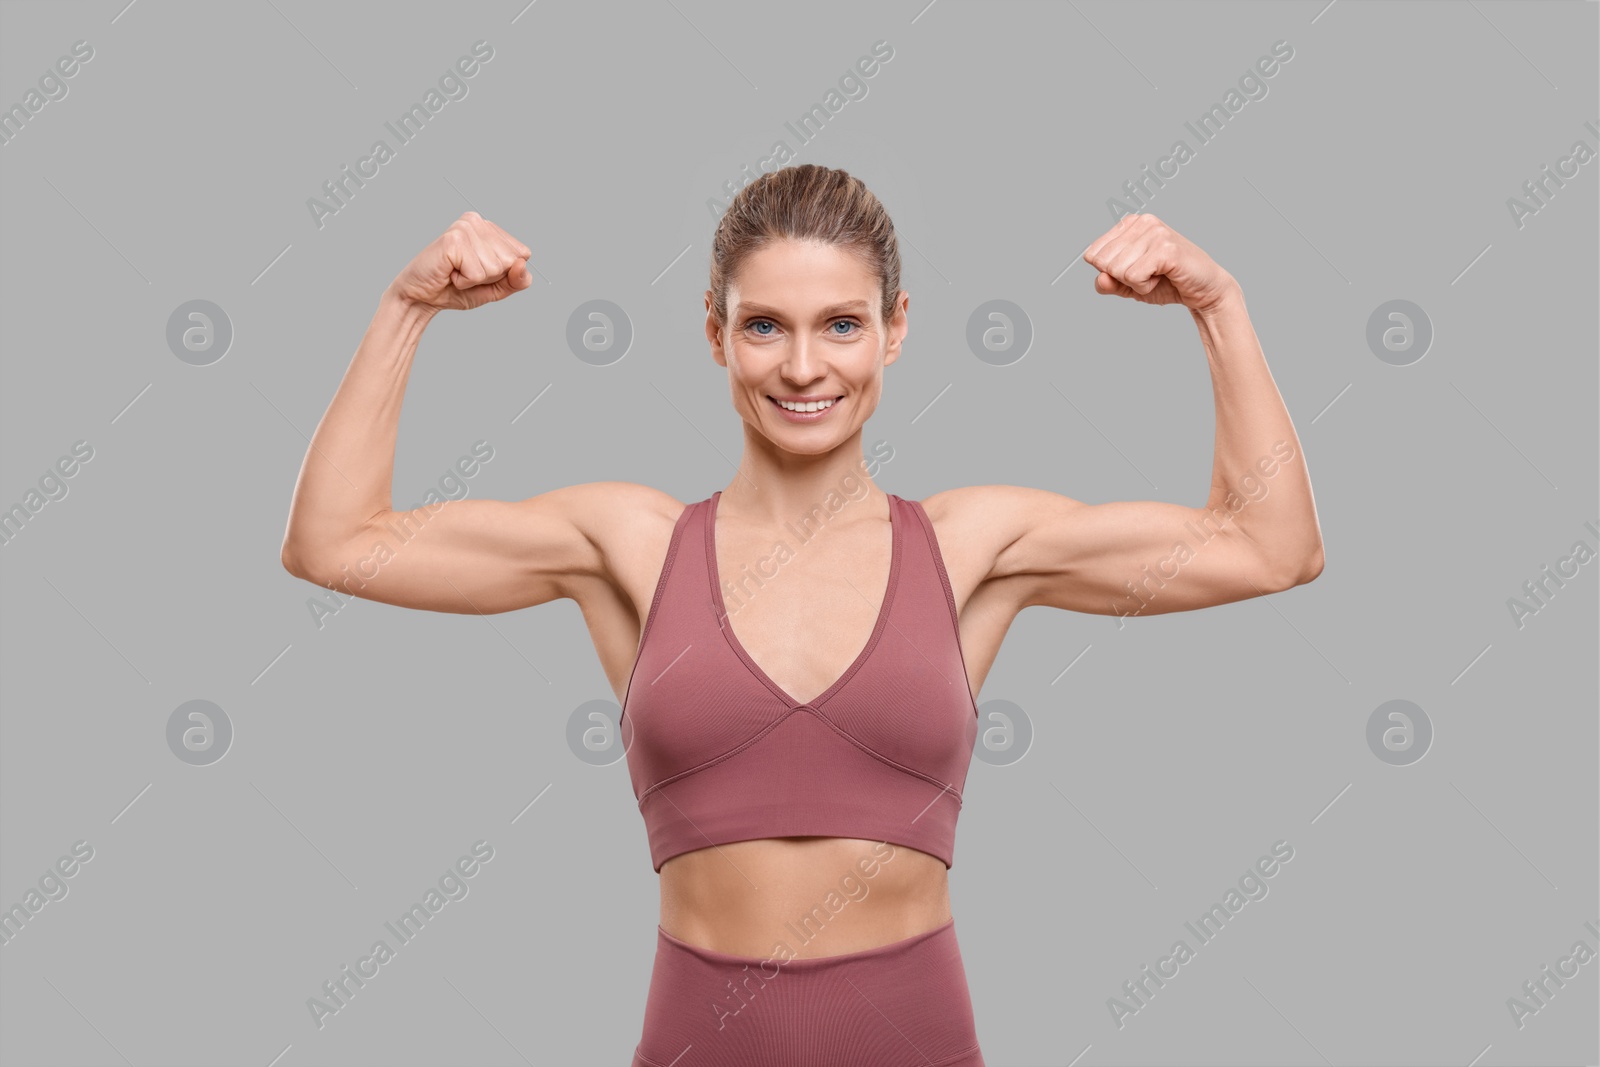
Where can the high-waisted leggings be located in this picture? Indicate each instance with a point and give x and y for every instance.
(904, 1004)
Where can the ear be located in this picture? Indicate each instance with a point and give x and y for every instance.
(898, 326)
(714, 334)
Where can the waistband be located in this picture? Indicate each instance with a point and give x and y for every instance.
(944, 930)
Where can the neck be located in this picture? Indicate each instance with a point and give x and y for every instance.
(773, 486)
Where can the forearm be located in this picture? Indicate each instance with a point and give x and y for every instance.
(1259, 478)
(348, 472)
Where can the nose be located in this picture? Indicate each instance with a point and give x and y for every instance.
(802, 365)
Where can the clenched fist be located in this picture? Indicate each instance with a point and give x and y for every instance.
(1143, 258)
(472, 263)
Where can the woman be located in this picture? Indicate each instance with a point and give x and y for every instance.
(797, 656)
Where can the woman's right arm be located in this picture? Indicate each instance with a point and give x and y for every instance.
(465, 556)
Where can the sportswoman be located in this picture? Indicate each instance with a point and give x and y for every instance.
(798, 665)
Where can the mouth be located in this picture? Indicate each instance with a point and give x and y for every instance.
(805, 411)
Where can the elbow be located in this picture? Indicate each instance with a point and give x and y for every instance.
(296, 561)
(1302, 571)
(1279, 576)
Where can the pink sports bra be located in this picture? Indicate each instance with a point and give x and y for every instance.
(718, 752)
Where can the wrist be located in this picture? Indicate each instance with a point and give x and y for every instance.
(1228, 298)
(406, 311)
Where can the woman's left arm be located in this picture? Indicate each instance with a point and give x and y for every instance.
(1256, 533)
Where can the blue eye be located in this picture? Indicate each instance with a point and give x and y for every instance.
(845, 322)
(762, 322)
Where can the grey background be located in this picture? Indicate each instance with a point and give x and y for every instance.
(369, 754)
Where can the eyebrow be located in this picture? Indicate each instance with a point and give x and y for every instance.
(747, 307)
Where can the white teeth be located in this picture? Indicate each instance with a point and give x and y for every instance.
(815, 405)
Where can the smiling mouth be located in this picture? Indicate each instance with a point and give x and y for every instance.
(808, 407)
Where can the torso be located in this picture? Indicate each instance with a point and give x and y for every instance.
(803, 628)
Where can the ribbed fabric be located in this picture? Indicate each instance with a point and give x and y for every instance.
(718, 752)
(904, 1004)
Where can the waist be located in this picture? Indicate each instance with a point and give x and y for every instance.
(820, 896)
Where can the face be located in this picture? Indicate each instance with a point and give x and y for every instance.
(804, 331)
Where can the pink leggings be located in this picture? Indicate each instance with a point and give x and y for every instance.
(904, 1004)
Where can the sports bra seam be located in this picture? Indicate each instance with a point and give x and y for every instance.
(764, 731)
(949, 597)
(655, 602)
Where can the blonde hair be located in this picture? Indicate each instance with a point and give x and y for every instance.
(805, 202)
